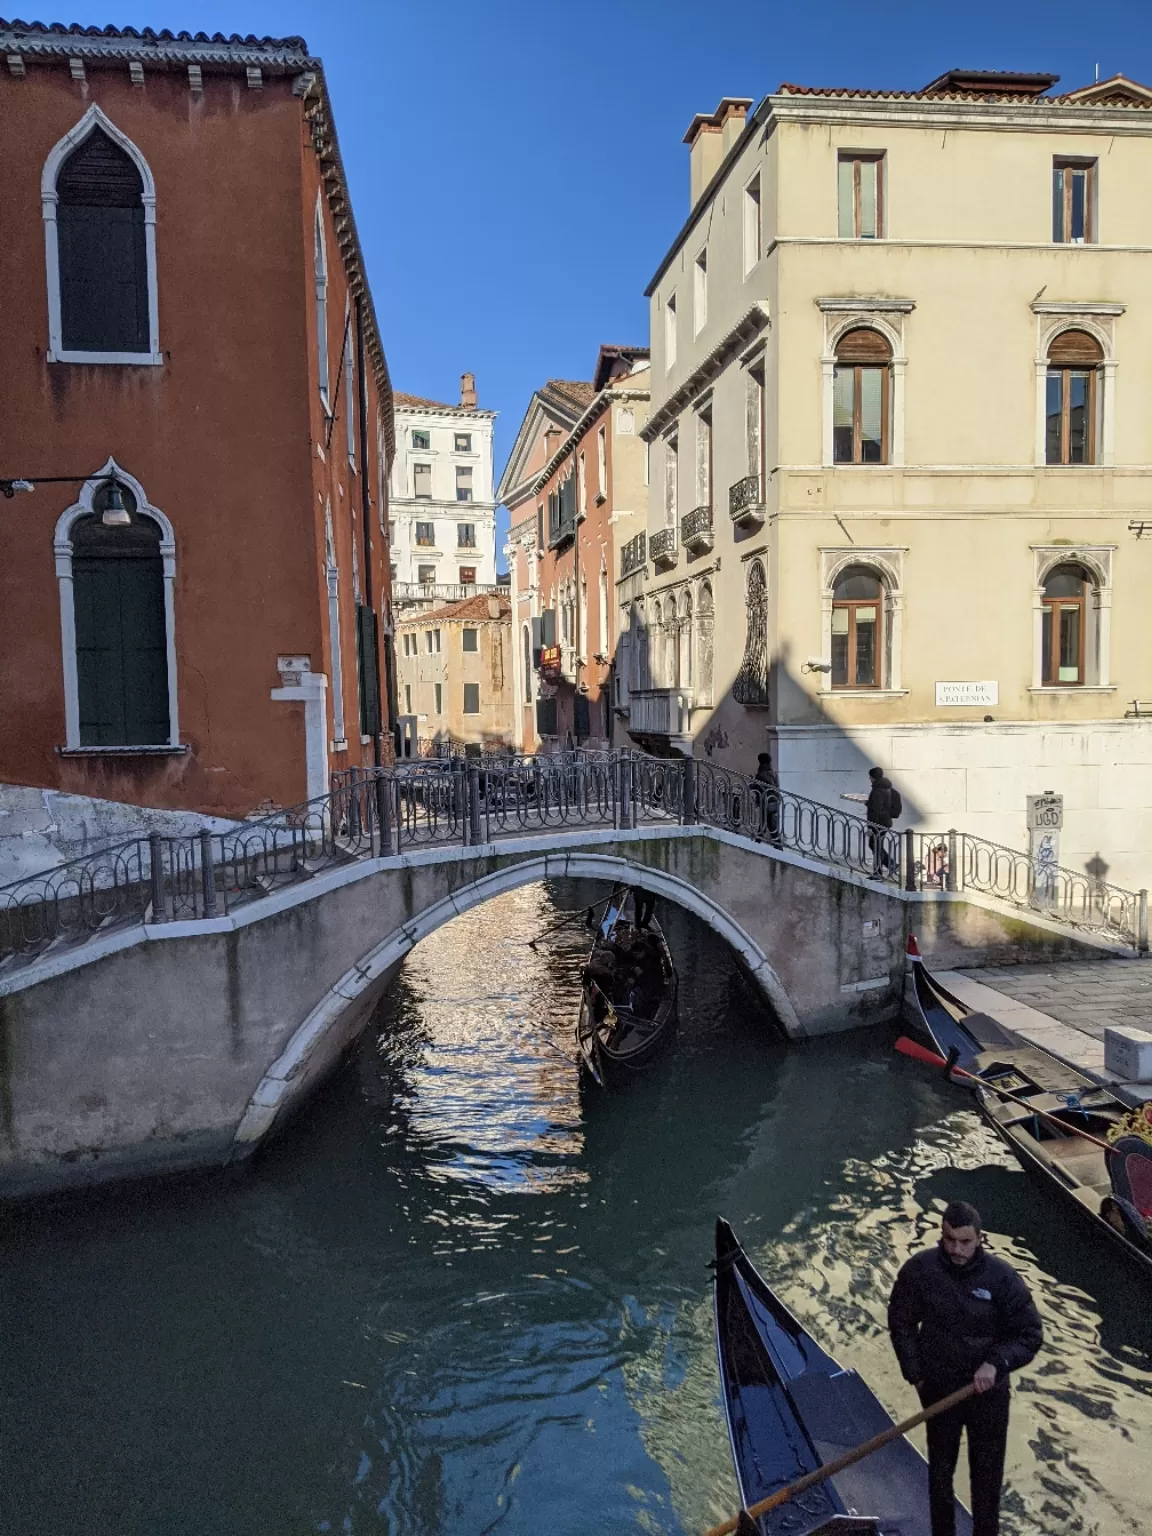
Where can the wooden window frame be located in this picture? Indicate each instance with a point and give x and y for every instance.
(851, 604)
(1090, 168)
(1052, 607)
(885, 412)
(1065, 371)
(856, 161)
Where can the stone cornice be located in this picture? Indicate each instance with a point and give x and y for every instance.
(852, 306)
(1038, 116)
(746, 328)
(1075, 307)
(609, 396)
(277, 55)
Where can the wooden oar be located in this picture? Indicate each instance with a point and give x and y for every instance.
(920, 1052)
(849, 1458)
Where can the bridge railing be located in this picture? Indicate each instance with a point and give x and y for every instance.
(476, 800)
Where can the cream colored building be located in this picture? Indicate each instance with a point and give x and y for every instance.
(454, 673)
(901, 456)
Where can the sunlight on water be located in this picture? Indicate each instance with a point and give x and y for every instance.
(461, 1295)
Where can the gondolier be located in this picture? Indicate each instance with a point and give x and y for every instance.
(959, 1314)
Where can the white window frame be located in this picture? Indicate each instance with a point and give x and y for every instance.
(700, 291)
(1098, 320)
(602, 463)
(62, 550)
(1097, 561)
(349, 386)
(887, 563)
(320, 264)
(332, 573)
(49, 199)
(581, 485)
(671, 479)
(886, 317)
(669, 333)
(753, 223)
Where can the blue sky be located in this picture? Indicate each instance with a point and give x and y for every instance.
(516, 168)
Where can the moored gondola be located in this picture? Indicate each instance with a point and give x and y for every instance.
(791, 1408)
(628, 994)
(1112, 1190)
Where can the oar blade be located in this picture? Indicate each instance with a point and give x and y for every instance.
(919, 1052)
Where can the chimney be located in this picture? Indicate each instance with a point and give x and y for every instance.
(467, 391)
(709, 138)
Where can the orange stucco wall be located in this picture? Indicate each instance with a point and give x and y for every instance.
(223, 436)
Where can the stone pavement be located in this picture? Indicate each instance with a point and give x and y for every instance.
(1065, 1008)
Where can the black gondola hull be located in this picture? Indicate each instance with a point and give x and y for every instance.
(611, 1057)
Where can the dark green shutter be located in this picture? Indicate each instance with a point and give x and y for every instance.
(121, 639)
(102, 250)
(580, 717)
(368, 659)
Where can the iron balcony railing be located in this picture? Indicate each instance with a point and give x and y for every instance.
(663, 548)
(373, 813)
(634, 555)
(744, 499)
(696, 529)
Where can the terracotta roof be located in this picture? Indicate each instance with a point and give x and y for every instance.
(573, 392)
(419, 400)
(610, 354)
(1118, 92)
(469, 608)
(72, 38)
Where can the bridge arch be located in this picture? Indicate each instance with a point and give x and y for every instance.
(344, 1008)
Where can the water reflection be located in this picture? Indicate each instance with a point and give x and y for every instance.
(459, 1298)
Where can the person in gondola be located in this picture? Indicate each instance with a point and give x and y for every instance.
(645, 905)
(958, 1314)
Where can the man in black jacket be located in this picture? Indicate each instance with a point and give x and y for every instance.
(958, 1314)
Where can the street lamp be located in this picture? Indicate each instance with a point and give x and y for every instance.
(115, 514)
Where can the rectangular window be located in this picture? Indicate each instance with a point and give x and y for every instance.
(1073, 201)
(704, 459)
(407, 698)
(470, 640)
(860, 416)
(671, 449)
(670, 331)
(391, 530)
(754, 424)
(463, 442)
(471, 698)
(368, 659)
(855, 649)
(422, 482)
(468, 575)
(438, 690)
(700, 292)
(860, 194)
(602, 462)
(426, 575)
(753, 231)
(422, 440)
(426, 535)
(465, 535)
(349, 393)
(1063, 643)
(463, 482)
(582, 485)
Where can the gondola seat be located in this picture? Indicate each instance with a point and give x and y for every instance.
(1130, 1169)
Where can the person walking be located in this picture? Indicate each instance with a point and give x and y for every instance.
(882, 804)
(958, 1314)
(768, 797)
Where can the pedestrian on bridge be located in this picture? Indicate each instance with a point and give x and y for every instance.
(958, 1314)
(882, 805)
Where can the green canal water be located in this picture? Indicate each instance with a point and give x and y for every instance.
(459, 1297)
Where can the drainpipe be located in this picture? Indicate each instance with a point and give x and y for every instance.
(366, 511)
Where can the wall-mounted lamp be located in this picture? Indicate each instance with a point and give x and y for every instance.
(814, 664)
(115, 513)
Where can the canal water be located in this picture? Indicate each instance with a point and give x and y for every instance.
(458, 1297)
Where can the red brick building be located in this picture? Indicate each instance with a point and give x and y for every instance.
(198, 619)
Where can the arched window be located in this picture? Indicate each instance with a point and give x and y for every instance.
(857, 629)
(684, 643)
(99, 206)
(704, 622)
(1074, 360)
(751, 686)
(860, 398)
(1065, 621)
(656, 647)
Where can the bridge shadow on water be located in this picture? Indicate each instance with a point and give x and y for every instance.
(462, 1294)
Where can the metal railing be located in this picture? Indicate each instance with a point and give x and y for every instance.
(634, 555)
(449, 591)
(473, 800)
(663, 548)
(696, 528)
(744, 497)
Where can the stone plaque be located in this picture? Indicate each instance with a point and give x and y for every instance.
(967, 695)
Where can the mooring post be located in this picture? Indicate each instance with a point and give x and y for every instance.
(955, 873)
(1142, 923)
(625, 766)
(474, 803)
(156, 876)
(384, 813)
(207, 873)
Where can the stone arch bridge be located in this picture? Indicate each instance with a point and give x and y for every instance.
(183, 1039)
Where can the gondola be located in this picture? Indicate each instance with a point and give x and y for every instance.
(1109, 1190)
(628, 995)
(791, 1408)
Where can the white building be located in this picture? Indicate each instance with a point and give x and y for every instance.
(441, 511)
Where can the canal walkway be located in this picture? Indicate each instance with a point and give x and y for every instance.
(1064, 1009)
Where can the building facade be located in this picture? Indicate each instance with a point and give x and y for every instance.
(901, 455)
(575, 498)
(441, 509)
(194, 597)
(455, 671)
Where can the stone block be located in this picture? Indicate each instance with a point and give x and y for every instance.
(1128, 1053)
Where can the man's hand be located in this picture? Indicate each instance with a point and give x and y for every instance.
(985, 1378)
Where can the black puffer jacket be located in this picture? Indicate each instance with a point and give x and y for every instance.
(947, 1320)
